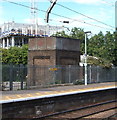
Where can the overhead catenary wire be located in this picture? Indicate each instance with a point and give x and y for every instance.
(19, 4)
(81, 21)
(85, 15)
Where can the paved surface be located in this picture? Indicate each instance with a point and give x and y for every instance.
(21, 95)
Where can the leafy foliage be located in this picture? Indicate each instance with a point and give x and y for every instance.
(15, 55)
(99, 62)
(103, 46)
(61, 34)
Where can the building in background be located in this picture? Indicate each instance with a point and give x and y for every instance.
(17, 34)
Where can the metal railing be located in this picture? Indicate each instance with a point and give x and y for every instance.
(16, 77)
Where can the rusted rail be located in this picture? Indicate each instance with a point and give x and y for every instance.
(61, 106)
(80, 112)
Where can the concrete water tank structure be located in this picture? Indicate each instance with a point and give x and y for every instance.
(51, 51)
(54, 51)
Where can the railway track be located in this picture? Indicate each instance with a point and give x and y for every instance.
(81, 112)
(114, 116)
(63, 107)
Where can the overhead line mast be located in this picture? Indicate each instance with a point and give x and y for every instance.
(34, 14)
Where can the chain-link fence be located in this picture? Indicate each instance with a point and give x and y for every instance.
(98, 74)
(49, 75)
(13, 77)
(16, 77)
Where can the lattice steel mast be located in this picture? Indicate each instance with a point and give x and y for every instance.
(34, 14)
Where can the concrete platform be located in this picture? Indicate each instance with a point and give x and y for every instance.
(24, 95)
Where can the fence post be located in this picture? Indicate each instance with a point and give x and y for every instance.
(69, 73)
(1, 80)
(54, 75)
(97, 74)
(21, 75)
(115, 71)
(90, 72)
(11, 76)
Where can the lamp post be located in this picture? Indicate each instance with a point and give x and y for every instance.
(116, 16)
(86, 56)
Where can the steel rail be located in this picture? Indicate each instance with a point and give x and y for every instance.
(76, 109)
(112, 116)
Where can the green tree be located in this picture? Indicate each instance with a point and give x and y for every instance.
(61, 34)
(99, 62)
(4, 55)
(96, 45)
(15, 55)
(78, 33)
(114, 51)
(24, 54)
(103, 46)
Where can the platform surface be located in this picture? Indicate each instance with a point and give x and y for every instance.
(24, 95)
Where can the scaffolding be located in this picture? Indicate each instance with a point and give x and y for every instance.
(10, 33)
(12, 28)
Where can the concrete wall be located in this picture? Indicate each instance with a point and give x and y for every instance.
(52, 43)
(64, 57)
(54, 51)
(46, 43)
(42, 57)
(67, 44)
(53, 57)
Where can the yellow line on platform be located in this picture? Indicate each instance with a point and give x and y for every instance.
(29, 95)
(46, 92)
(53, 92)
(71, 90)
(83, 89)
(8, 98)
(38, 93)
(96, 88)
(18, 96)
(62, 91)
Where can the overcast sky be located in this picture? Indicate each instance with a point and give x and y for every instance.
(101, 10)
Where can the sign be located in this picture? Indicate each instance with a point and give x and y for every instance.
(53, 69)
